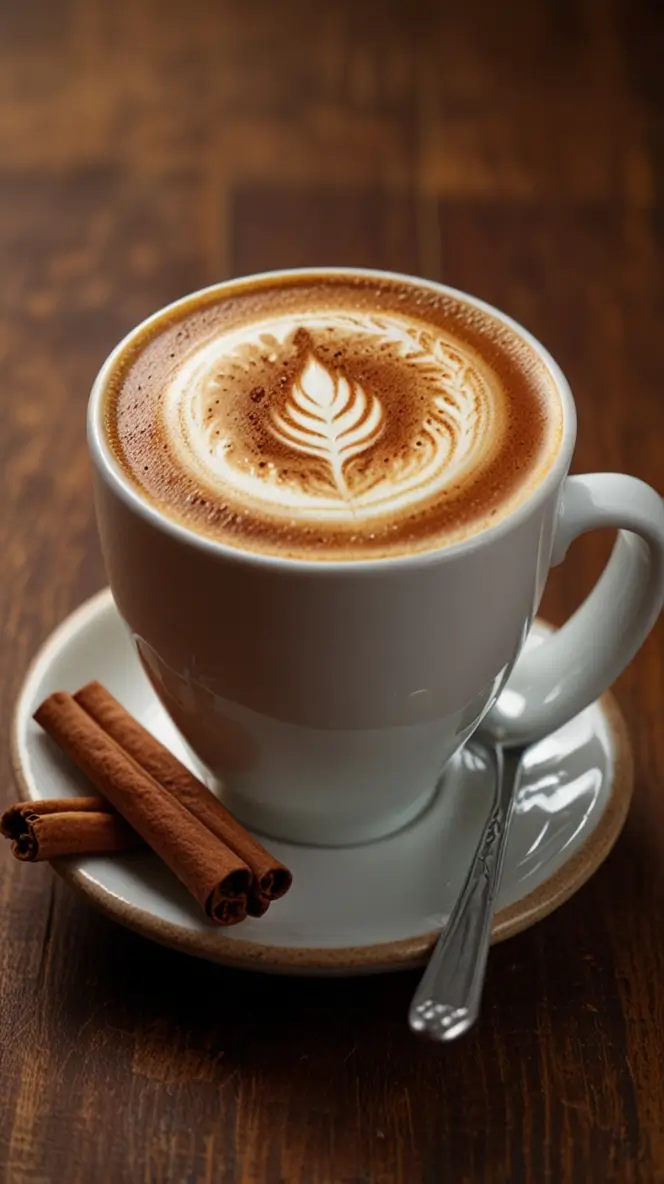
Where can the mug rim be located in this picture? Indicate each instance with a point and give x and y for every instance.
(109, 468)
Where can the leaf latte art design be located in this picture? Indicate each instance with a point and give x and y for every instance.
(266, 422)
(330, 418)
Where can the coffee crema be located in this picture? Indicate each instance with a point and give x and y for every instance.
(332, 416)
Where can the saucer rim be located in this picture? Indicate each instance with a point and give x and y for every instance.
(404, 953)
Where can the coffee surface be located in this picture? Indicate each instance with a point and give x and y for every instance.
(332, 417)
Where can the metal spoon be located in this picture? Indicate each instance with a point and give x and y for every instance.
(447, 1000)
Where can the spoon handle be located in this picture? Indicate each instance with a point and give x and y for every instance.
(447, 1000)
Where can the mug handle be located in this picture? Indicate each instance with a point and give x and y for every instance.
(576, 664)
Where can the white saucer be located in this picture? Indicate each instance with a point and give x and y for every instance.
(351, 910)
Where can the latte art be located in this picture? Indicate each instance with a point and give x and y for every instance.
(331, 419)
(332, 416)
(319, 446)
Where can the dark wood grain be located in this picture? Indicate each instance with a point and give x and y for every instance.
(148, 148)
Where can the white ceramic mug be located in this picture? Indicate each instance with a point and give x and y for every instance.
(328, 697)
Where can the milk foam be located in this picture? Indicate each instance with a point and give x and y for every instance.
(317, 448)
(332, 416)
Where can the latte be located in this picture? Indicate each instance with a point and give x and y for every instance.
(332, 416)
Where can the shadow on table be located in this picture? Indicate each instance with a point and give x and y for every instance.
(327, 1067)
(183, 1018)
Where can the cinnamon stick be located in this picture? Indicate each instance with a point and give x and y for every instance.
(257, 905)
(64, 826)
(273, 879)
(216, 877)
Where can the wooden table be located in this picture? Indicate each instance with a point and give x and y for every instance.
(148, 148)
